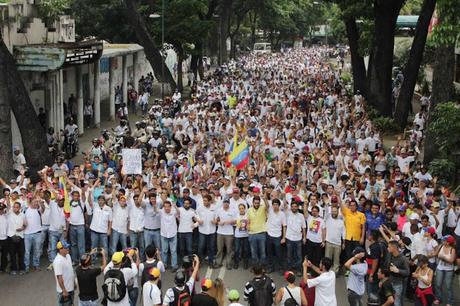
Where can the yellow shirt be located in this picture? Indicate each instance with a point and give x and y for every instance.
(354, 224)
(257, 220)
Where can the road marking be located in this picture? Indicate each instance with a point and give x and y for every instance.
(222, 272)
(208, 272)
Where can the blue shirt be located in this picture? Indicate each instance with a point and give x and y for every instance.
(373, 222)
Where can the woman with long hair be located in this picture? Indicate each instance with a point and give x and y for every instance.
(424, 276)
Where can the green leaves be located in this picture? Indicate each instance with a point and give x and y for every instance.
(446, 127)
(448, 28)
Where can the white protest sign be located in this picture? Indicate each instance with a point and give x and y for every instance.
(132, 161)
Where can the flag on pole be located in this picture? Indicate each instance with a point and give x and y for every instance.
(239, 153)
(65, 195)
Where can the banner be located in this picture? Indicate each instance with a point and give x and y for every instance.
(132, 161)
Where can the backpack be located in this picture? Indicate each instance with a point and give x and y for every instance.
(145, 273)
(182, 298)
(290, 301)
(262, 294)
(114, 286)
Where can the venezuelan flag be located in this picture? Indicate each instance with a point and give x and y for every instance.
(239, 153)
(65, 194)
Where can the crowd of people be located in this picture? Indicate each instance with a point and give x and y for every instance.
(317, 196)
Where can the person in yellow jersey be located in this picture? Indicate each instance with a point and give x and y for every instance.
(354, 226)
(257, 228)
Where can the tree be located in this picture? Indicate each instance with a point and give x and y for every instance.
(6, 154)
(357, 60)
(379, 74)
(413, 64)
(33, 135)
(151, 50)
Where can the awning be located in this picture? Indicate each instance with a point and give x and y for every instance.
(406, 21)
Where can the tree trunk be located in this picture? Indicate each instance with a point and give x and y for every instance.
(32, 133)
(253, 19)
(225, 13)
(180, 77)
(442, 91)
(152, 53)
(381, 58)
(357, 61)
(200, 67)
(413, 64)
(6, 144)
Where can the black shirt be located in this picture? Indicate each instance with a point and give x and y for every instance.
(87, 283)
(203, 299)
(386, 290)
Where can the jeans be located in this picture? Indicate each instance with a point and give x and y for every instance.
(99, 240)
(169, 244)
(32, 244)
(115, 238)
(444, 279)
(274, 252)
(354, 299)
(136, 240)
(207, 243)
(257, 245)
(373, 288)
(133, 293)
(4, 257)
(241, 249)
(77, 241)
(333, 252)
(398, 287)
(185, 243)
(16, 250)
(294, 254)
(45, 233)
(54, 237)
(152, 237)
(69, 302)
(87, 303)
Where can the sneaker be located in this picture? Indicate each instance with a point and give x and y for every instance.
(13, 273)
(50, 267)
(235, 266)
(22, 272)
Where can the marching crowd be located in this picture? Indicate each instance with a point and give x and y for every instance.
(317, 196)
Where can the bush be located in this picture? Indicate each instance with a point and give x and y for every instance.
(385, 125)
(443, 168)
(346, 77)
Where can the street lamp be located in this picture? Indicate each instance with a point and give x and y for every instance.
(162, 16)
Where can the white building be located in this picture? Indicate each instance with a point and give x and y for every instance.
(54, 66)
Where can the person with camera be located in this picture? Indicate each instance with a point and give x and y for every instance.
(117, 273)
(87, 277)
(180, 294)
(261, 289)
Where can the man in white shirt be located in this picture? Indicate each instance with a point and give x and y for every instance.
(226, 218)
(120, 220)
(77, 226)
(136, 222)
(19, 161)
(101, 223)
(275, 224)
(152, 221)
(32, 234)
(65, 276)
(168, 232)
(207, 230)
(58, 225)
(324, 284)
(316, 235)
(294, 235)
(151, 294)
(187, 223)
(3, 236)
(128, 273)
(335, 234)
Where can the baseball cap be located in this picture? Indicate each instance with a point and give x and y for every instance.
(233, 295)
(256, 189)
(155, 272)
(435, 204)
(206, 283)
(117, 257)
(431, 230)
(414, 216)
(449, 239)
(288, 274)
(62, 245)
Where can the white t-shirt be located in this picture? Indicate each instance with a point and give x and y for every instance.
(315, 227)
(225, 216)
(275, 223)
(128, 273)
(101, 218)
(3, 227)
(294, 225)
(63, 266)
(136, 218)
(33, 219)
(151, 295)
(168, 227)
(206, 215)
(77, 216)
(335, 230)
(120, 218)
(324, 289)
(57, 217)
(186, 220)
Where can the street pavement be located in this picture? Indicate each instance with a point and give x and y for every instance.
(39, 288)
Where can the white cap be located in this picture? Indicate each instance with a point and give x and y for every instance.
(414, 216)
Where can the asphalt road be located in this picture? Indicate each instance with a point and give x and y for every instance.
(39, 288)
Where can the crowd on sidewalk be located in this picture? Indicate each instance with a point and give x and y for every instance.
(270, 164)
